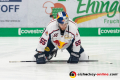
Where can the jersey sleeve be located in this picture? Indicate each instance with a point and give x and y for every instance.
(43, 40)
(77, 42)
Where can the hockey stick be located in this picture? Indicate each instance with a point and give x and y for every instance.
(56, 61)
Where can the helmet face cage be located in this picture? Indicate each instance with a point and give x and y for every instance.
(62, 17)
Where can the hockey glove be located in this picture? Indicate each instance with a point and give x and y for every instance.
(40, 58)
(74, 58)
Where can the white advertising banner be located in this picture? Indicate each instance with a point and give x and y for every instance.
(13, 13)
(38, 13)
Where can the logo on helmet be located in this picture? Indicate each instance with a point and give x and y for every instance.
(63, 20)
(62, 17)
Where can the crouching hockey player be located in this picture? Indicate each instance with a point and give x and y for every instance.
(61, 33)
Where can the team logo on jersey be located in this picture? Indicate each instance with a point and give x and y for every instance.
(67, 36)
(46, 33)
(60, 44)
(47, 49)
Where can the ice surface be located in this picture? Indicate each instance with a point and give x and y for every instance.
(104, 49)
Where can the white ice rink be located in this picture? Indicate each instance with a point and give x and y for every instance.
(104, 49)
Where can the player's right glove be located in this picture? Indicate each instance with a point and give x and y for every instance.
(40, 58)
(74, 58)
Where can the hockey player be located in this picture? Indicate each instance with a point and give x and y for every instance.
(61, 33)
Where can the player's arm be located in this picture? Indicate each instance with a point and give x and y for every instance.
(77, 42)
(74, 56)
(43, 40)
(40, 56)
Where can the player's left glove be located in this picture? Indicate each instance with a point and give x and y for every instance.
(74, 58)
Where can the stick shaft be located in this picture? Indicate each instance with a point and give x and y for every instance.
(56, 61)
(79, 61)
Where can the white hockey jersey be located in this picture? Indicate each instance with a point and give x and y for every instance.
(52, 33)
